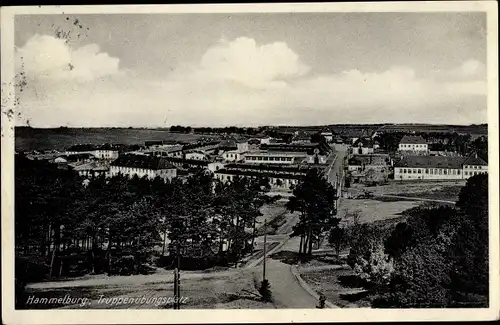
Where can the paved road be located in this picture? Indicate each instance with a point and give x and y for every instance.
(414, 198)
(285, 288)
(338, 167)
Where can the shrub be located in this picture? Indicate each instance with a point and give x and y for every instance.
(265, 291)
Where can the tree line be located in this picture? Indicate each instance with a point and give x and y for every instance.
(106, 223)
(439, 141)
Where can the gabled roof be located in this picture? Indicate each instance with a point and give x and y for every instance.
(474, 160)
(365, 142)
(146, 162)
(412, 139)
(431, 162)
(77, 156)
(91, 166)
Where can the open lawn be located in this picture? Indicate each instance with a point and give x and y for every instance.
(339, 286)
(374, 210)
(442, 190)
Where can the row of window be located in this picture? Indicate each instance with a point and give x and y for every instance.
(413, 146)
(438, 171)
(142, 170)
(473, 173)
(269, 158)
(432, 171)
(275, 181)
(474, 167)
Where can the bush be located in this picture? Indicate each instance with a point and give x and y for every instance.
(124, 265)
(265, 291)
(377, 268)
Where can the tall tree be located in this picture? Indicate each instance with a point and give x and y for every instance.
(315, 198)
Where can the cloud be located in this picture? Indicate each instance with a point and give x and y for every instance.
(48, 57)
(470, 68)
(246, 62)
(242, 83)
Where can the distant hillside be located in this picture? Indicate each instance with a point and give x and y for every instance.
(28, 139)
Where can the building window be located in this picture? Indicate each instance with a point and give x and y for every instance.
(445, 172)
(427, 171)
(404, 171)
(414, 171)
(409, 171)
(458, 172)
(419, 171)
(440, 171)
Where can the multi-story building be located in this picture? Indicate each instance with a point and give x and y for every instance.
(196, 155)
(142, 166)
(474, 165)
(233, 151)
(280, 177)
(274, 157)
(182, 163)
(413, 143)
(105, 151)
(439, 167)
(362, 146)
(91, 169)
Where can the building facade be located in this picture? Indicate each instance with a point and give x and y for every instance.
(142, 166)
(438, 168)
(413, 143)
(105, 151)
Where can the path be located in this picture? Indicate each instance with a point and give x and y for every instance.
(104, 280)
(285, 288)
(413, 198)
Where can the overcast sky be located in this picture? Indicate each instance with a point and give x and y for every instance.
(252, 69)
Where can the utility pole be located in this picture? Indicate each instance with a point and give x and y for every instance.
(177, 279)
(265, 240)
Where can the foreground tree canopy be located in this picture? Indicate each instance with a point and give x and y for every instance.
(438, 257)
(111, 221)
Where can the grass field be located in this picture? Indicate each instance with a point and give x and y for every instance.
(383, 208)
(374, 210)
(59, 139)
(340, 287)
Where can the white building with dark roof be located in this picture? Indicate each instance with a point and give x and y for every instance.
(142, 166)
(413, 143)
(438, 167)
(363, 146)
(105, 151)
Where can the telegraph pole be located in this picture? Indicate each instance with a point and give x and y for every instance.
(265, 240)
(177, 279)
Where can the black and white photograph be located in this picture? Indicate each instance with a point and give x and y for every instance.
(211, 158)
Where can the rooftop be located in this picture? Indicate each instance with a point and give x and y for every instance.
(412, 139)
(475, 160)
(431, 162)
(365, 142)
